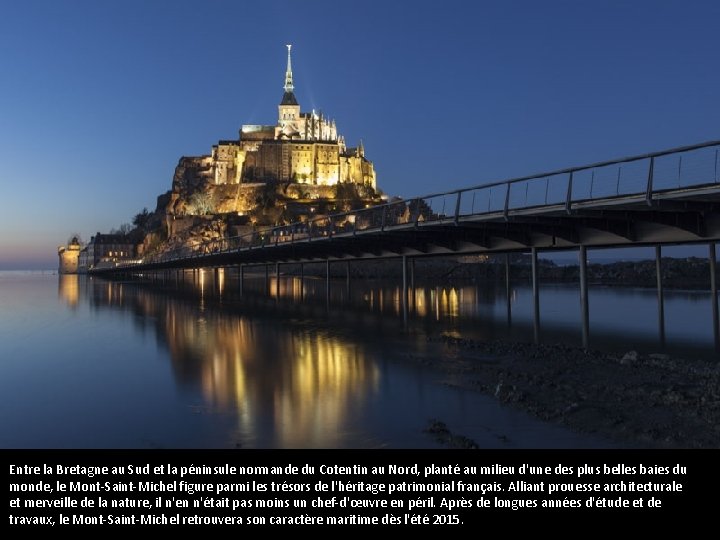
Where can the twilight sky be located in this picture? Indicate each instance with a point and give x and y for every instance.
(99, 100)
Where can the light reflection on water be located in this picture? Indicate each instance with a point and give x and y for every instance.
(303, 384)
(621, 318)
(199, 363)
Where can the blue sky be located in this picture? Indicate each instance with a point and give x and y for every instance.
(99, 100)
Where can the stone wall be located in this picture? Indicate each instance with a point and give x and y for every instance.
(68, 260)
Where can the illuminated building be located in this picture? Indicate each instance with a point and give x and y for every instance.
(303, 148)
(107, 250)
(69, 256)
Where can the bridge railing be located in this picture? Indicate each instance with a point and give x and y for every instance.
(647, 175)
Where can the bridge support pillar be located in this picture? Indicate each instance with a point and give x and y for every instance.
(660, 294)
(242, 278)
(412, 273)
(412, 282)
(302, 281)
(277, 280)
(405, 288)
(327, 281)
(508, 289)
(713, 295)
(267, 278)
(584, 304)
(536, 294)
(347, 279)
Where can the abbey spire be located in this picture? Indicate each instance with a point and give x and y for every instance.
(288, 73)
(289, 109)
(288, 96)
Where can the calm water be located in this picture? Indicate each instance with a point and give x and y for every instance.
(87, 363)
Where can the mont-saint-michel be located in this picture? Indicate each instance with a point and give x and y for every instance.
(257, 200)
(271, 174)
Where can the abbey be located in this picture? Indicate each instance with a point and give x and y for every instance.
(302, 147)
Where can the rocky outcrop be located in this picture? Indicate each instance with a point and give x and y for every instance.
(191, 232)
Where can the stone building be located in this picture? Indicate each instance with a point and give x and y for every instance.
(107, 250)
(69, 256)
(302, 147)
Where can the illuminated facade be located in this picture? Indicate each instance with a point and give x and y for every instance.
(107, 250)
(69, 256)
(302, 147)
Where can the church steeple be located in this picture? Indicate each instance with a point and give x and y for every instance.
(288, 96)
(288, 73)
(289, 109)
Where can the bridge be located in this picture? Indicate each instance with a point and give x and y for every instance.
(669, 197)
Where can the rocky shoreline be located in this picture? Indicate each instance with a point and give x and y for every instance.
(635, 400)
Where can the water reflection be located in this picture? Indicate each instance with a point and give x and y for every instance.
(620, 318)
(297, 386)
(275, 364)
(69, 289)
(304, 386)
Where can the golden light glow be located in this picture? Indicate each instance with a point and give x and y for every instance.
(221, 280)
(419, 302)
(293, 288)
(447, 303)
(439, 302)
(306, 383)
(69, 288)
(329, 379)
